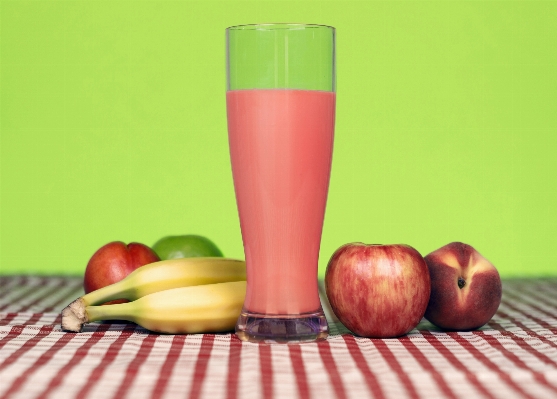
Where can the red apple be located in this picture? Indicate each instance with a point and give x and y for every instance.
(378, 291)
(114, 261)
(465, 288)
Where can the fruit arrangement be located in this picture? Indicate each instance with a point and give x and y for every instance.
(383, 291)
(184, 284)
(182, 295)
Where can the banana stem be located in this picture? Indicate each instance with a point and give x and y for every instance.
(77, 313)
(119, 311)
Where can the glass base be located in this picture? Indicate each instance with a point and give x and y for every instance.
(282, 329)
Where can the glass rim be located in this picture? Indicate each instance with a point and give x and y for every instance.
(278, 25)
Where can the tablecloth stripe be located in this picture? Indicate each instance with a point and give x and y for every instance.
(284, 380)
(8, 318)
(457, 375)
(34, 293)
(529, 316)
(489, 377)
(107, 359)
(11, 282)
(424, 362)
(28, 319)
(43, 294)
(74, 361)
(168, 366)
(423, 382)
(514, 355)
(115, 371)
(520, 330)
(317, 378)
(299, 371)
(523, 303)
(266, 370)
(7, 286)
(234, 358)
(15, 297)
(540, 301)
(490, 364)
(536, 294)
(545, 297)
(40, 362)
(395, 366)
(331, 368)
(249, 372)
(42, 333)
(457, 364)
(135, 365)
(17, 329)
(201, 365)
(546, 310)
(532, 345)
(369, 377)
(59, 301)
(185, 381)
(217, 368)
(40, 294)
(354, 382)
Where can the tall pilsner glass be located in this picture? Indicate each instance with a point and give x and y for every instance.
(281, 112)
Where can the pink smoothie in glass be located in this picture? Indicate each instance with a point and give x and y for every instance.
(281, 144)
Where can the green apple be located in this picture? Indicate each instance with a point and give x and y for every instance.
(185, 246)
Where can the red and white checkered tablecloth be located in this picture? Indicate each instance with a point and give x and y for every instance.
(514, 356)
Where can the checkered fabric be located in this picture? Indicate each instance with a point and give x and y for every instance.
(513, 356)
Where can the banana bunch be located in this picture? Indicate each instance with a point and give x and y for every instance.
(175, 296)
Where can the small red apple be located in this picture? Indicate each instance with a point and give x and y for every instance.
(378, 291)
(114, 261)
(466, 288)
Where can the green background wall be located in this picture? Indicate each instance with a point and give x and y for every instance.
(113, 127)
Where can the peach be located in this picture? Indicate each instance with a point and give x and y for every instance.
(466, 288)
(114, 261)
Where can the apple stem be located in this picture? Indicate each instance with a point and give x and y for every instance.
(461, 282)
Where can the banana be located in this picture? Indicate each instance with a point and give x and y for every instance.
(185, 310)
(166, 274)
(160, 276)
